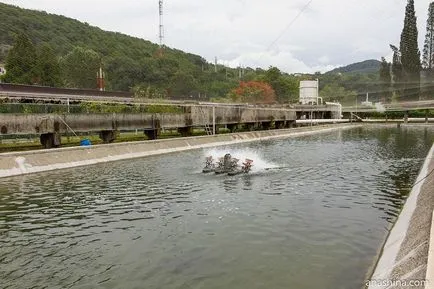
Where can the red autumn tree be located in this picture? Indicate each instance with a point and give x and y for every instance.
(254, 92)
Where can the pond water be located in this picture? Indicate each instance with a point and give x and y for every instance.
(312, 214)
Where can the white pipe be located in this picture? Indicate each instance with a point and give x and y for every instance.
(339, 107)
(314, 121)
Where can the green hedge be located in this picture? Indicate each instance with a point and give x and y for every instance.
(89, 107)
(397, 114)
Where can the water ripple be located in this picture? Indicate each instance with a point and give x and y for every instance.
(324, 209)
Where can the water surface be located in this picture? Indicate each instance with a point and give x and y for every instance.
(316, 220)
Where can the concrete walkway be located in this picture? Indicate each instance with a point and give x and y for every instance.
(403, 261)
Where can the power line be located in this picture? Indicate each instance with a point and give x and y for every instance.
(287, 27)
(290, 24)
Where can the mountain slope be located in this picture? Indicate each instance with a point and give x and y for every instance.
(128, 61)
(367, 66)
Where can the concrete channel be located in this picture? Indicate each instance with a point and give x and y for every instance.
(20, 163)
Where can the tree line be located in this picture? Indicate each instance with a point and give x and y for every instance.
(410, 76)
(160, 78)
(51, 50)
(27, 63)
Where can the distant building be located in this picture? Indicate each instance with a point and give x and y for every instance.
(2, 70)
(367, 102)
(309, 92)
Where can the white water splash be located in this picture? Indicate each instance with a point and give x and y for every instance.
(22, 165)
(259, 163)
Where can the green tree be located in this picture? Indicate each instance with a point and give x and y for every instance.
(21, 61)
(397, 74)
(428, 54)
(385, 79)
(410, 54)
(147, 91)
(428, 49)
(285, 87)
(183, 84)
(334, 92)
(123, 73)
(80, 67)
(48, 67)
(4, 48)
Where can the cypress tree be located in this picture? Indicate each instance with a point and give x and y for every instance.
(428, 54)
(428, 49)
(410, 54)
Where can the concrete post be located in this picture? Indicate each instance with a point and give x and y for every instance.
(426, 115)
(185, 131)
(50, 140)
(279, 124)
(156, 129)
(249, 126)
(107, 136)
(406, 117)
(213, 120)
(232, 127)
(151, 134)
(266, 125)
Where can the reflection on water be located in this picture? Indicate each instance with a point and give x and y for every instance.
(315, 221)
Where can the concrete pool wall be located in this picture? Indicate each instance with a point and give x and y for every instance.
(20, 163)
(404, 257)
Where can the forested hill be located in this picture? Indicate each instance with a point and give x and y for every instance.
(367, 66)
(52, 50)
(128, 61)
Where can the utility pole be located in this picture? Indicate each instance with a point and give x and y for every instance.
(215, 65)
(100, 79)
(161, 30)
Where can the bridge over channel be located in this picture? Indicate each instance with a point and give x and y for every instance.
(392, 107)
(51, 126)
(206, 115)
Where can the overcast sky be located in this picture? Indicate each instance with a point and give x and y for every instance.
(329, 33)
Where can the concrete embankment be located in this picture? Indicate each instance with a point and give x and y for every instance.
(404, 258)
(20, 163)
